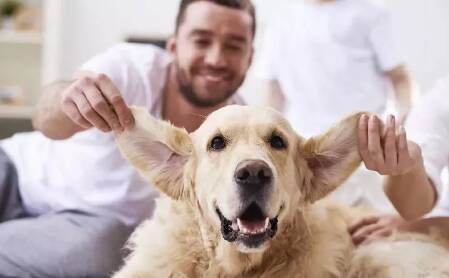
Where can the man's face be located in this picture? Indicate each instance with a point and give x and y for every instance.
(213, 51)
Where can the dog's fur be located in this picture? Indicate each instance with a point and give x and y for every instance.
(183, 238)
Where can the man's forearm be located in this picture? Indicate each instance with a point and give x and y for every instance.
(49, 118)
(412, 194)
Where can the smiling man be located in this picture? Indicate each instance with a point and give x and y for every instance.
(72, 197)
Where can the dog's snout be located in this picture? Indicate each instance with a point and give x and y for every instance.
(253, 172)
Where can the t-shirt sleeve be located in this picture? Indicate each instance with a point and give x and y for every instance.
(381, 39)
(117, 65)
(428, 126)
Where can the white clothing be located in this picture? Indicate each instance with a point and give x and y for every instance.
(329, 60)
(428, 125)
(87, 172)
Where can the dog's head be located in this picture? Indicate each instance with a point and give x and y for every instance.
(245, 168)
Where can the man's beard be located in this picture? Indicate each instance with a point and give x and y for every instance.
(188, 92)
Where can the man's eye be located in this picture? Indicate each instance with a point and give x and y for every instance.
(202, 42)
(218, 143)
(277, 142)
(234, 47)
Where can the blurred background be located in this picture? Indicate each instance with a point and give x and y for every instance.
(46, 40)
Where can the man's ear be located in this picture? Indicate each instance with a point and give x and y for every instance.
(158, 150)
(171, 45)
(331, 158)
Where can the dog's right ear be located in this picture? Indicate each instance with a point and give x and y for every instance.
(158, 150)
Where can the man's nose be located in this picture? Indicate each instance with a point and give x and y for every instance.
(215, 57)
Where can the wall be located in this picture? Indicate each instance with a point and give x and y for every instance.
(422, 32)
(83, 28)
(421, 29)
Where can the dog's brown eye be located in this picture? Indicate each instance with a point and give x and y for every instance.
(218, 143)
(277, 142)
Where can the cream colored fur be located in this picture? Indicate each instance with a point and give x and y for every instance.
(183, 238)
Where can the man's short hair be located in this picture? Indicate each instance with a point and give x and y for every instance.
(244, 5)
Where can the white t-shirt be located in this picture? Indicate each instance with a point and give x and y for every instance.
(329, 60)
(87, 172)
(428, 125)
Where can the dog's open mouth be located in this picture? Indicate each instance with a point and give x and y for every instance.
(252, 227)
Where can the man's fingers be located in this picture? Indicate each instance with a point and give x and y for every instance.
(363, 222)
(124, 113)
(116, 101)
(374, 146)
(390, 151)
(75, 115)
(99, 104)
(89, 113)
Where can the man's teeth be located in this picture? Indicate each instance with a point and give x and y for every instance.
(239, 226)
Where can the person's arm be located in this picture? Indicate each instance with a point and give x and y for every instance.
(66, 108)
(48, 116)
(411, 193)
(406, 185)
(374, 227)
(427, 225)
(401, 82)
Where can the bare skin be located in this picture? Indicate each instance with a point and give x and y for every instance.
(66, 108)
(390, 154)
(379, 226)
(401, 162)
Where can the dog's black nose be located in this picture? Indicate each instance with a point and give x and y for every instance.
(253, 173)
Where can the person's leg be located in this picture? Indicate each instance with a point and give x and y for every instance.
(65, 244)
(10, 201)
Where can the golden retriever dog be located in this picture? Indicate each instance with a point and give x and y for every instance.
(240, 198)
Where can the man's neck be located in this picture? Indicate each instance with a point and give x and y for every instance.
(180, 112)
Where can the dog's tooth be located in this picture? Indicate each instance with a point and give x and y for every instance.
(239, 224)
(241, 227)
(267, 222)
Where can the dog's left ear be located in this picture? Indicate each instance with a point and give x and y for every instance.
(331, 158)
(158, 150)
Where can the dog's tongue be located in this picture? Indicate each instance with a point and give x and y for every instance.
(253, 227)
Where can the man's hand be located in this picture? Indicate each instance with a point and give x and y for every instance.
(389, 153)
(94, 101)
(375, 227)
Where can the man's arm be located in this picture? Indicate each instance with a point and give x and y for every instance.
(66, 108)
(49, 117)
(401, 82)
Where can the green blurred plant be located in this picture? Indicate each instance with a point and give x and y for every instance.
(9, 8)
